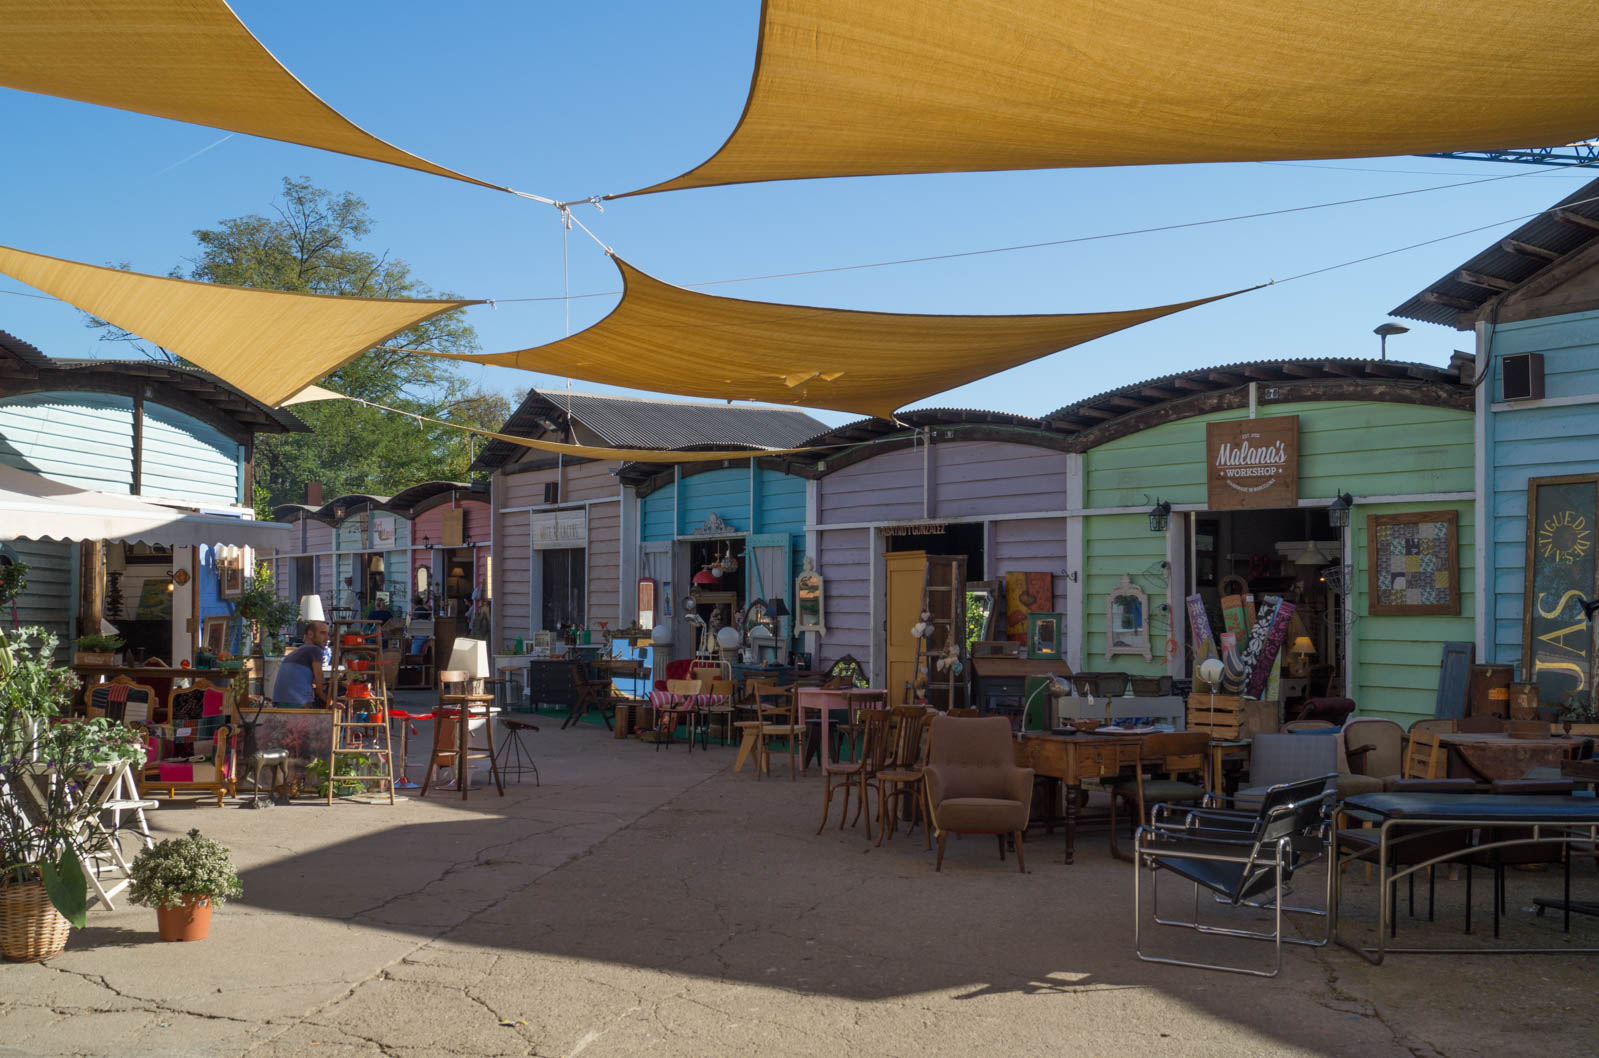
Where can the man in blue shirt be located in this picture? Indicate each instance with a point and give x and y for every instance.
(300, 681)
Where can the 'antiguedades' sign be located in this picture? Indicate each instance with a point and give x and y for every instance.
(1557, 643)
(1252, 463)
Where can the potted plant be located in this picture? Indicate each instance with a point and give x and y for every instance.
(259, 606)
(1578, 709)
(183, 879)
(97, 650)
(46, 834)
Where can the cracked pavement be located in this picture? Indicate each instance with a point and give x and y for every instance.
(644, 902)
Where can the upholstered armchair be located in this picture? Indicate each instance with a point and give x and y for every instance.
(973, 783)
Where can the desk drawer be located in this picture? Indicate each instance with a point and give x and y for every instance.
(1097, 760)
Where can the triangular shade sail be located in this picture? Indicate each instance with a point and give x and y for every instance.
(845, 88)
(268, 343)
(667, 339)
(188, 60)
(36, 508)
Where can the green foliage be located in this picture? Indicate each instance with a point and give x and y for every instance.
(348, 764)
(99, 644)
(260, 606)
(49, 840)
(180, 869)
(1579, 708)
(13, 580)
(311, 244)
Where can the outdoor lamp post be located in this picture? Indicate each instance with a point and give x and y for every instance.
(1383, 330)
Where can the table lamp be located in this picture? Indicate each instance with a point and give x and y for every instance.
(311, 608)
(471, 656)
(1299, 657)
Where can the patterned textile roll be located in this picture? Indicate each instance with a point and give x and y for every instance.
(1199, 630)
(1266, 642)
(1232, 677)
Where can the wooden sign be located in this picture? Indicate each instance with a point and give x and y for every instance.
(1252, 463)
(1557, 640)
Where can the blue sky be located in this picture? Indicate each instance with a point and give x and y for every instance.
(571, 101)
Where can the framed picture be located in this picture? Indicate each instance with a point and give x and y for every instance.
(230, 579)
(1413, 564)
(214, 635)
(646, 602)
(1043, 635)
(809, 600)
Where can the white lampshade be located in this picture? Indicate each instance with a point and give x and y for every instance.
(311, 608)
(1210, 670)
(760, 632)
(661, 634)
(728, 638)
(107, 628)
(470, 656)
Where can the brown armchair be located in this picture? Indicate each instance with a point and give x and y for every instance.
(973, 783)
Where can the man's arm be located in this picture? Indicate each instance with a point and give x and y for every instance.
(319, 687)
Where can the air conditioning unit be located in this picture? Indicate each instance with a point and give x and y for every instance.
(1522, 377)
(552, 492)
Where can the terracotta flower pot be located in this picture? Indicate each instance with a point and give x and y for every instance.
(189, 921)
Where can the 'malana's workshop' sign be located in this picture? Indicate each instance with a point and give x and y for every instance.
(1252, 463)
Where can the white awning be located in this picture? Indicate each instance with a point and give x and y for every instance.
(36, 508)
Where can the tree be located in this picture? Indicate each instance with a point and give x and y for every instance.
(311, 244)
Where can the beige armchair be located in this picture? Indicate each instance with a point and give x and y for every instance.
(973, 783)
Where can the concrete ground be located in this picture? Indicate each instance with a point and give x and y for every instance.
(644, 902)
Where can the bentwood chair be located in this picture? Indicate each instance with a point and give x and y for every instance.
(459, 705)
(900, 778)
(858, 773)
(775, 716)
(1246, 858)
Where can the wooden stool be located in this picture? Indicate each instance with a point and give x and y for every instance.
(455, 749)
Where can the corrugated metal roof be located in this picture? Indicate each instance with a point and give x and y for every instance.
(637, 422)
(26, 352)
(1098, 409)
(1509, 262)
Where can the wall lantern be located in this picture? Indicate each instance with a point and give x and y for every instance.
(1159, 516)
(1338, 510)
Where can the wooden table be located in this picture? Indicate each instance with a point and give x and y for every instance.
(825, 701)
(1074, 758)
(1487, 756)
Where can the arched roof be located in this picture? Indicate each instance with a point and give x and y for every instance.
(407, 503)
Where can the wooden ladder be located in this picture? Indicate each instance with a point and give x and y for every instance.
(354, 738)
(930, 648)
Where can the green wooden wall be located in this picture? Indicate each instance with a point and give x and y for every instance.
(1364, 448)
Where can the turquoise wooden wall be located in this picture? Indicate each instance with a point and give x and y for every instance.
(185, 458)
(779, 503)
(1538, 440)
(82, 439)
(1364, 448)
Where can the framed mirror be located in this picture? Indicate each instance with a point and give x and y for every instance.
(982, 607)
(808, 600)
(1043, 636)
(1127, 620)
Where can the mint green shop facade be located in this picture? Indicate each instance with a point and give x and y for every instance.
(1397, 437)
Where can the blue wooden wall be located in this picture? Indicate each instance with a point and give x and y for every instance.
(779, 503)
(1559, 435)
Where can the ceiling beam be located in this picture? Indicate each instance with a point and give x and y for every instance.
(1566, 216)
(1487, 282)
(1527, 249)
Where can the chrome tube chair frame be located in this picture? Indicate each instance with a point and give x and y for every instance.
(1290, 830)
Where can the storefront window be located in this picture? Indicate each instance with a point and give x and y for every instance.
(564, 602)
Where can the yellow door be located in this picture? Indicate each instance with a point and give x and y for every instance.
(906, 576)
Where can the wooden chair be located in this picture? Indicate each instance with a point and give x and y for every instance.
(1172, 754)
(122, 699)
(459, 705)
(667, 719)
(1424, 757)
(589, 692)
(858, 773)
(190, 730)
(775, 716)
(901, 775)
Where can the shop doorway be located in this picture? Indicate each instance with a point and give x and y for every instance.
(1295, 553)
(956, 538)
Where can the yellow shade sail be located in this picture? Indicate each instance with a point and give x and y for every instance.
(846, 88)
(267, 343)
(667, 339)
(188, 60)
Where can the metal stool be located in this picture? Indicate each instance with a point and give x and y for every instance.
(513, 745)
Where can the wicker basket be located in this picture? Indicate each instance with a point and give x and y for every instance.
(31, 929)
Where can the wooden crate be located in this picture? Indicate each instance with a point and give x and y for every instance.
(1220, 714)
